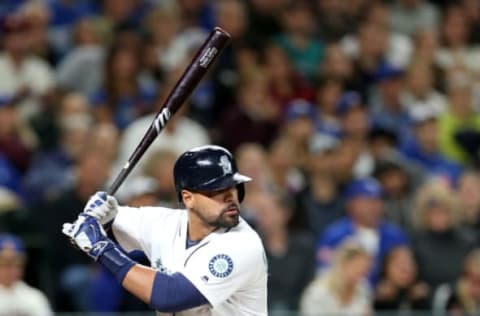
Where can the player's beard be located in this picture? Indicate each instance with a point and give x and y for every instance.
(223, 220)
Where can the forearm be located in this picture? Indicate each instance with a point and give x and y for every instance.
(164, 292)
(139, 281)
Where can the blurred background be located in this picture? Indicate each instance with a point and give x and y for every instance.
(359, 121)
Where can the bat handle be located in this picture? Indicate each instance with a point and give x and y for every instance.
(118, 180)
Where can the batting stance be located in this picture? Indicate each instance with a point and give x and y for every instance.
(206, 260)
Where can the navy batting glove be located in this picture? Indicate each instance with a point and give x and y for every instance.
(88, 235)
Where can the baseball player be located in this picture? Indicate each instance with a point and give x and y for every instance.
(206, 260)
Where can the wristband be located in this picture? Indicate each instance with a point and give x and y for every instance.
(115, 261)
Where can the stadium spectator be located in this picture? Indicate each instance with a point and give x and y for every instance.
(255, 113)
(459, 126)
(327, 94)
(424, 148)
(334, 20)
(159, 168)
(38, 15)
(299, 128)
(419, 88)
(336, 65)
(80, 70)
(469, 202)
(408, 16)
(439, 245)
(285, 84)
(298, 41)
(364, 223)
(252, 161)
(26, 77)
(462, 297)
(343, 288)
(51, 171)
(321, 201)
(104, 139)
(427, 43)
(383, 143)
(264, 21)
(197, 13)
(16, 296)
(287, 178)
(399, 287)
(353, 116)
(400, 46)
(471, 9)
(387, 108)
(355, 124)
(456, 51)
(16, 143)
(123, 97)
(372, 44)
(398, 185)
(286, 251)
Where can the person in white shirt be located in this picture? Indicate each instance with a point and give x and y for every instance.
(17, 297)
(206, 260)
(343, 289)
(181, 134)
(24, 76)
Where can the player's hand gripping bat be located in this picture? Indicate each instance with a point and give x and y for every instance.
(197, 69)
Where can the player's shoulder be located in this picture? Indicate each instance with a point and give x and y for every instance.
(152, 213)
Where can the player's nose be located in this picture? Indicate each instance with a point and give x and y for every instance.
(229, 194)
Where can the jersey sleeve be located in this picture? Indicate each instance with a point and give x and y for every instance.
(221, 269)
(133, 225)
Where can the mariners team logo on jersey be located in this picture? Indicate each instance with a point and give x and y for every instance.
(220, 266)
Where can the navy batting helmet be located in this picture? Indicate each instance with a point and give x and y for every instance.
(206, 169)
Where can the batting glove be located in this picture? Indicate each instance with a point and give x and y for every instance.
(103, 207)
(88, 235)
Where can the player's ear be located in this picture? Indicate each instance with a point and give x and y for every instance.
(187, 198)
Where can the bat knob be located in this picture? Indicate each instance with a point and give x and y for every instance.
(218, 29)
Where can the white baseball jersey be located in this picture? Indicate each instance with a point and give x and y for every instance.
(228, 266)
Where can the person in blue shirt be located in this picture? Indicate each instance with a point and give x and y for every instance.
(423, 148)
(364, 223)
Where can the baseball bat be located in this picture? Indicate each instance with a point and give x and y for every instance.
(192, 75)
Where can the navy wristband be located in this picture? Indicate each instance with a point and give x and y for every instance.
(115, 261)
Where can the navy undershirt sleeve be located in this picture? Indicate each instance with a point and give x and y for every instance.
(174, 293)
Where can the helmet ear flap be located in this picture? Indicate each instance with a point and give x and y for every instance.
(241, 191)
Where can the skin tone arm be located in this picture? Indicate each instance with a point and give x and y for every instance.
(139, 282)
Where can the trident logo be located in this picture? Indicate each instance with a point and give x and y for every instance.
(225, 164)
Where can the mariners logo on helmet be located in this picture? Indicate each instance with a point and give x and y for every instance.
(226, 165)
(208, 169)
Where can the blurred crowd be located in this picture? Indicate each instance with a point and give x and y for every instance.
(358, 120)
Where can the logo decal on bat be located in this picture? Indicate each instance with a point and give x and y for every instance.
(207, 57)
(162, 119)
